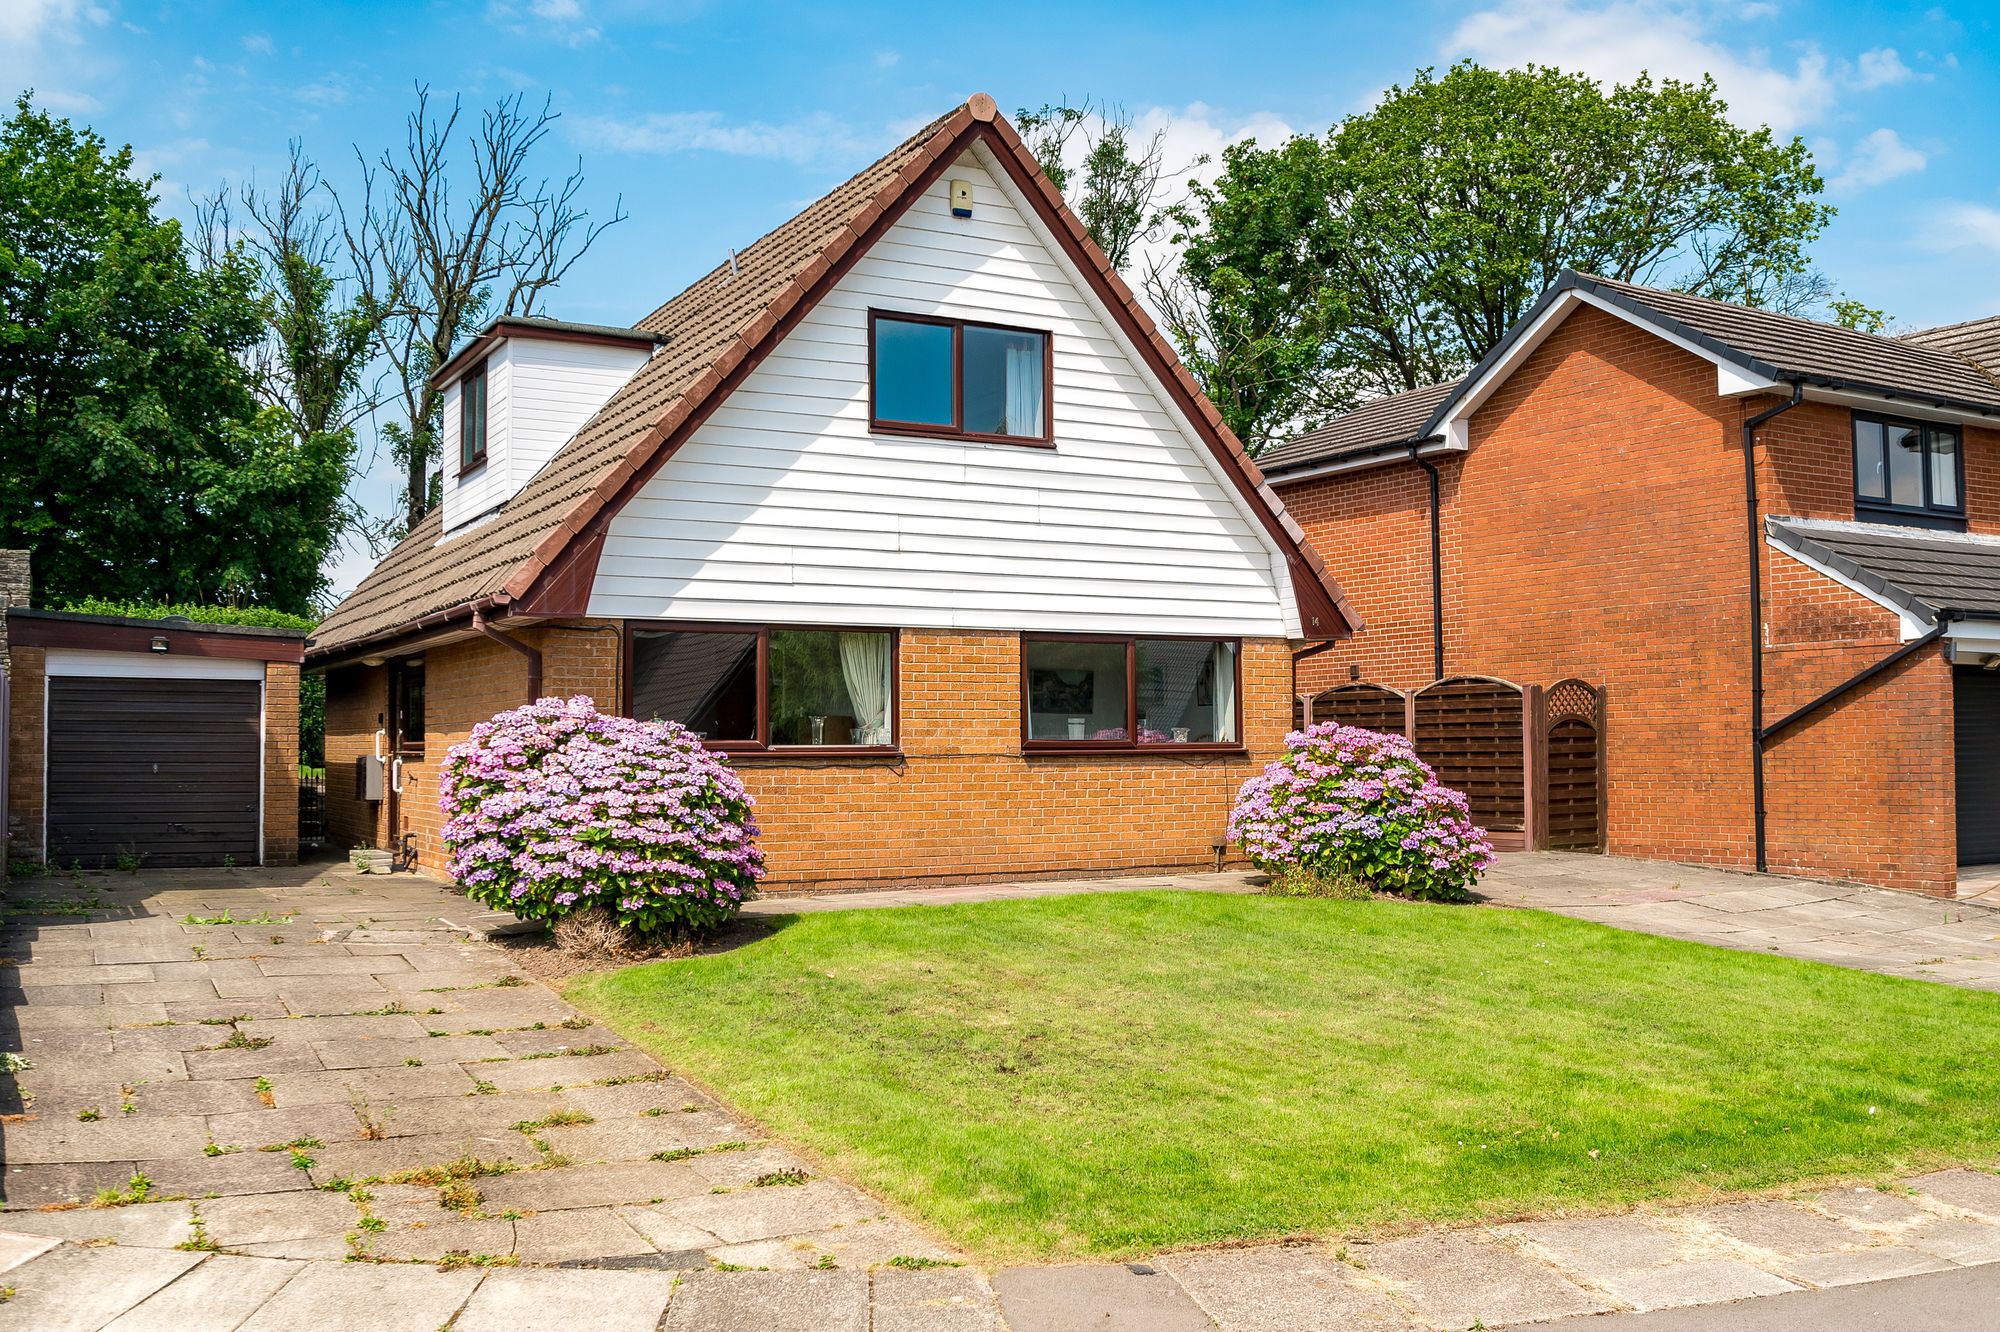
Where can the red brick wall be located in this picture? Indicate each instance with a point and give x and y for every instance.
(1596, 529)
(24, 753)
(961, 802)
(281, 763)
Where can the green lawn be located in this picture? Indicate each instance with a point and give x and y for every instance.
(1116, 1074)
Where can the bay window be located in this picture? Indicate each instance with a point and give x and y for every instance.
(746, 689)
(1091, 692)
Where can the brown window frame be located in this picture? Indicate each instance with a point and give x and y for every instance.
(956, 430)
(1131, 744)
(761, 747)
(472, 462)
(401, 670)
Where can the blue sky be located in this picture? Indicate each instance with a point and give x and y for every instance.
(715, 121)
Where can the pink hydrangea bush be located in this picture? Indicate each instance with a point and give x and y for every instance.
(1359, 805)
(556, 808)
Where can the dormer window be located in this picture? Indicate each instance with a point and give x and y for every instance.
(947, 377)
(1908, 471)
(472, 418)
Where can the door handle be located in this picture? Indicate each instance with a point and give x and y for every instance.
(396, 776)
(381, 742)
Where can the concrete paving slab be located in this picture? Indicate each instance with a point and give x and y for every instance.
(777, 1211)
(1871, 1208)
(210, 1097)
(17, 1248)
(1710, 1282)
(114, 1138)
(771, 1302)
(634, 1138)
(568, 1071)
(1291, 1288)
(1967, 1243)
(261, 1218)
(227, 1176)
(75, 1289)
(378, 1084)
(940, 1300)
(374, 1052)
(1454, 1280)
(371, 1297)
(283, 1029)
(666, 1232)
(580, 1235)
(1848, 1267)
(61, 1183)
(1782, 1229)
(1962, 1301)
(215, 1296)
(361, 1160)
(521, 1300)
(1599, 1245)
(636, 1098)
(1100, 1298)
(145, 1225)
(435, 1239)
(594, 1185)
(1967, 1190)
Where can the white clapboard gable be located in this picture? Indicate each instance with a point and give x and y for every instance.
(784, 507)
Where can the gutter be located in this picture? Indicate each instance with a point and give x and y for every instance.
(1757, 740)
(534, 655)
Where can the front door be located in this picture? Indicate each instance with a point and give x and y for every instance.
(1976, 746)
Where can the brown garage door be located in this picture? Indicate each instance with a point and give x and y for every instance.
(166, 770)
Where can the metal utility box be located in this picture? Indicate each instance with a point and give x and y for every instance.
(369, 778)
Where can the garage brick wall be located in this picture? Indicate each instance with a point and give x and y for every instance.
(1596, 529)
(281, 763)
(960, 804)
(24, 754)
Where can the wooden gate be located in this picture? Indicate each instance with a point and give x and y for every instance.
(1530, 760)
(1469, 728)
(1573, 770)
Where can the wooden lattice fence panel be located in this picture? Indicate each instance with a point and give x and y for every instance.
(1575, 760)
(1469, 730)
(1365, 705)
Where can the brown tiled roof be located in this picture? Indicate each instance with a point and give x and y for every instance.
(1386, 422)
(725, 319)
(1977, 340)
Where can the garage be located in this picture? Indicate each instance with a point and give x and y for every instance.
(1976, 746)
(152, 744)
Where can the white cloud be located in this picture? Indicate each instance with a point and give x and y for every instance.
(1964, 226)
(1881, 68)
(1616, 42)
(43, 46)
(564, 20)
(814, 138)
(887, 59)
(257, 43)
(1880, 156)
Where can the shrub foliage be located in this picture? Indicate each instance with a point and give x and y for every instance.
(556, 808)
(1348, 804)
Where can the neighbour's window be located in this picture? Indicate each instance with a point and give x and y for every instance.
(1907, 468)
(944, 377)
(1129, 693)
(472, 418)
(768, 688)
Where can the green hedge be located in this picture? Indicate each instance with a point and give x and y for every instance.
(312, 688)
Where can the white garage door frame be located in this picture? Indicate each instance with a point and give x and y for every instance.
(146, 666)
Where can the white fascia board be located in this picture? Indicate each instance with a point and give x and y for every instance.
(1730, 379)
(1909, 625)
(149, 666)
(1280, 567)
(1974, 638)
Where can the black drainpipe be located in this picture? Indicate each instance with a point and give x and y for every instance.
(1437, 570)
(534, 655)
(1757, 609)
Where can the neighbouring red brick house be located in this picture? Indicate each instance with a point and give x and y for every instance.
(1592, 520)
(907, 507)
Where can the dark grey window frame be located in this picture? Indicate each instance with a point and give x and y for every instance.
(1869, 508)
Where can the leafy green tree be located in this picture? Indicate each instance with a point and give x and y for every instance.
(134, 459)
(1114, 187)
(1397, 250)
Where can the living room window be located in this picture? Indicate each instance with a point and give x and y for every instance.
(929, 376)
(1908, 471)
(769, 688)
(1083, 693)
(472, 418)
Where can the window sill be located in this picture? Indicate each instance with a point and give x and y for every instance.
(813, 754)
(475, 465)
(1086, 750)
(1936, 520)
(948, 436)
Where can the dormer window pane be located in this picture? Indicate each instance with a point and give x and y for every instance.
(1906, 465)
(1004, 374)
(1944, 468)
(472, 418)
(1870, 480)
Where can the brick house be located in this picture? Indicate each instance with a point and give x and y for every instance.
(1577, 507)
(906, 507)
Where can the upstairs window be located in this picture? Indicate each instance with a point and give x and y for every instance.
(946, 377)
(472, 418)
(1908, 471)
